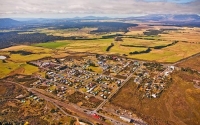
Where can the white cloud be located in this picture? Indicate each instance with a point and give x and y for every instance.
(17, 7)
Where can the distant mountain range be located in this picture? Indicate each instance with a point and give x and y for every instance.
(166, 18)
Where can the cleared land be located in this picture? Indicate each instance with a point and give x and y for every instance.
(178, 105)
(192, 63)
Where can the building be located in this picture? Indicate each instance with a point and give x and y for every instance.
(96, 116)
(126, 119)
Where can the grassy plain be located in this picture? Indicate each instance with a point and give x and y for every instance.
(192, 63)
(51, 45)
(22, 58)
(170, 54)
(84, 32)
(16, 63)
(27, 48)
(11, 68)
(98, 45)
(178, 104)
(6, 68)
(143, 42)
(184, 34)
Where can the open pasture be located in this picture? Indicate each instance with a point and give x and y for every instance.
(7, 67)
(170, 54)
(99, 45)
(51, 45)
(22, 59)
(118, 49)
(27, 48)
(190, 35)
(144, 42)
(84, 32)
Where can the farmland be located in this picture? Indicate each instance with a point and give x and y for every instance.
(187, 46)
(170, 54)
(51, 45)
(187, 43)
(102, 72)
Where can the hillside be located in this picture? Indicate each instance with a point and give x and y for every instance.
(7, 23)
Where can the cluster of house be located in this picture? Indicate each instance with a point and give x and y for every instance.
(32, 98)
(152, 83)
(69, 73)
(64, 74)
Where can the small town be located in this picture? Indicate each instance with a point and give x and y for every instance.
(89, 82)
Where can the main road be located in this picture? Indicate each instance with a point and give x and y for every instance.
(60, 104)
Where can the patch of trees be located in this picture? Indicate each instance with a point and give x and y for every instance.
(133, 46)
(109, 47)
(189, 70)
(141, 52)
(154, 66)
(21, 52)
(155, 47)
(102, 26)
(156, 32)
(111, 36)
(13, 38)
(152, 32)
(160, 47)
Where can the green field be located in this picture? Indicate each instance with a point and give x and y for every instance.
(51, 45)
(21, 58)
(7, 67)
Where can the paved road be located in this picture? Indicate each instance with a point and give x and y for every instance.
(78, 111)
(104, 102)
(70, 108)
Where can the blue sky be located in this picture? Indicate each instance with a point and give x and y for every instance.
(71, 8)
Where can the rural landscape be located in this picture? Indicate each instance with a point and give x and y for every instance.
(100, 70)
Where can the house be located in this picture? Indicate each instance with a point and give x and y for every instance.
(126, 119)
(82, 123)
(172, 67)
(166, 73)
(154, 95)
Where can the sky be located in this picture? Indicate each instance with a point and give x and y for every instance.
(112, 8)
